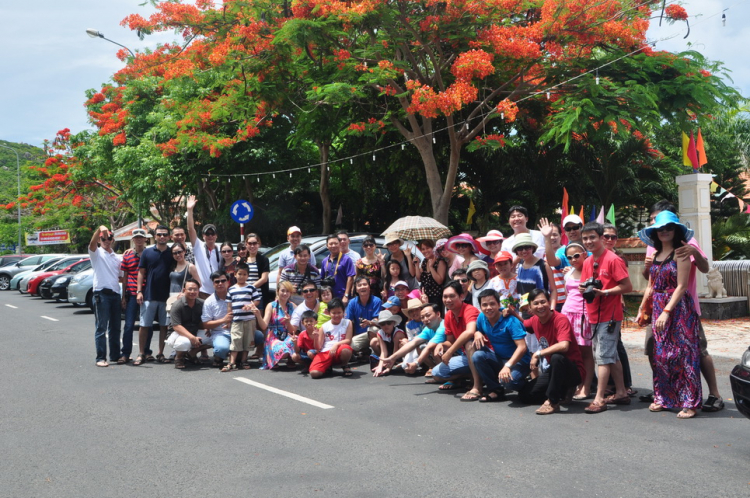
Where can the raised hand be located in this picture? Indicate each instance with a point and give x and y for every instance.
(191, 202)
(545, 227)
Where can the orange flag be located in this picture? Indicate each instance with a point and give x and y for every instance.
(701, 150)
(581, 215)
(564, 237)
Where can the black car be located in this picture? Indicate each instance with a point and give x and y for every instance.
(56, 286)
(740, 380)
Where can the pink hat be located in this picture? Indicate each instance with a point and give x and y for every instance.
(464, 238)
(415, 294)
(492, 235)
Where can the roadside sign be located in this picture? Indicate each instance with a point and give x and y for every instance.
(241, 211)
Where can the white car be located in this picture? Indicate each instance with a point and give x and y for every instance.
(81, 289)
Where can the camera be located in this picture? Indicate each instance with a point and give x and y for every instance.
(328, 282)
(588, 289)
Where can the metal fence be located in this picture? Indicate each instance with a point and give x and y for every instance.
(736, 276)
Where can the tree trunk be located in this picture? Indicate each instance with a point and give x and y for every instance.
(324, 148)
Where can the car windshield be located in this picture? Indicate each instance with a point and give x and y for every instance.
(83, 265)
(274, 253)
(46, 265)
(60, 265)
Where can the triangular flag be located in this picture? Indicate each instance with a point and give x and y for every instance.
(581, 215)
(600, 218)
(701, 150)
(593, 213)
(685, 146)
(693, 154)
(714, 187)
(472, 210)
(340, 216)
(572, 210)
(564, 236)
(611, 214)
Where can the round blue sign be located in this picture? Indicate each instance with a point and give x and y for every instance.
(241, 211)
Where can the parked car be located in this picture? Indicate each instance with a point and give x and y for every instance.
(9, 259)
(740, 381)
(80, 289)
(8, 272)
(45, 286)
(16, 280)
(31, 281)
(317, 244)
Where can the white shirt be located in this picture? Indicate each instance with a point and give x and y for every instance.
(536, 236)
(334, 333)
(206, 264)
(215, 309)
(106, 267)
(354, 255)
(297, 315)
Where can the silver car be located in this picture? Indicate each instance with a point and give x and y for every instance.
(7, 273)
(60, 264)
(81, 289)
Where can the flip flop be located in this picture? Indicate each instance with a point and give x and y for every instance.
(449, 386)
(471, 396)
(488, 398)
(684, 414)
(432, 381)
(656, 408)
(139, 360)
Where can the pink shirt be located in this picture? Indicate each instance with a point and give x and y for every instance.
(692, 284)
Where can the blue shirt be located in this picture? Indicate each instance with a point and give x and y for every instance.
(433, 335)
(503, 335)
(356, 311)
(158, 265)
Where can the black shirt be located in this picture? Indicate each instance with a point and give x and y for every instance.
(158, 265)
(190, 318)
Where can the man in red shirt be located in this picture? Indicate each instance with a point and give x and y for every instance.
(558, 345)
(605, 314)
(460, 326)
(129, 267)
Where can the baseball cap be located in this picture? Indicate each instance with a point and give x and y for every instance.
(293, 229)
(139, 232)
(392, 301)
(572, 218)
(400, 282)
(209, 227)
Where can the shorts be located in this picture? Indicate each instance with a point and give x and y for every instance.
(361, 341)
(242, 335)
(648, 345)
(323, 361)
(605, 343)
(457, 365)
(153, 311)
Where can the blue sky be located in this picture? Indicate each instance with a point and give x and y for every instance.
(48, 61)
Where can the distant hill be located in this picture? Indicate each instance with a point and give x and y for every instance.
(27, 155)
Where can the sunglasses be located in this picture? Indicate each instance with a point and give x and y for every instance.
(524, 248)
(667, 228)
(308, 291)
(251, 244)
(463, 244)
(368, 245)
(575, 256)
(570, 228)
(162, 235)
(222, 281)
(227, 251)
(462, 280)
(108, 238)
(609, 236)
(210, 234)
(493, 242)
(177, 252)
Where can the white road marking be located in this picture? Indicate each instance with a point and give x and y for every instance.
(11, 306)
(50, 319)
(296, 397)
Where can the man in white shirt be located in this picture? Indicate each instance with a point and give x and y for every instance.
(106, 264)
(518, 218)
(207, 256)
(344, 244)
(217, 318)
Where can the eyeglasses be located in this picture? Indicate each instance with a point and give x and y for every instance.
(227, 251)
(177, 252)
(570, 228)
(309, 291)
(609, 236)
(162, 235)
(251, 243)
(575, 256)
(108, 238)
(221, 281)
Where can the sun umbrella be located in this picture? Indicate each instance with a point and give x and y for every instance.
(418, 228)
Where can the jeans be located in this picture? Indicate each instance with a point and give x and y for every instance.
(489, 365)
(552, 384)
(107, 309)
(132, 312)
(220, 342)
(457, 365)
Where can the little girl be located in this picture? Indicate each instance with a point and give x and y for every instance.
(393, 272)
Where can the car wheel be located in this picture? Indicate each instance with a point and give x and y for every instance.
(90, 300)
(4, 282)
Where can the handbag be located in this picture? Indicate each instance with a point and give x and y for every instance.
(173, 299)
(646, 311)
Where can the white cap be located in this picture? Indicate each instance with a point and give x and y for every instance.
(572, 218)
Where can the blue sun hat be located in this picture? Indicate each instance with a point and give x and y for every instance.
(663, 219)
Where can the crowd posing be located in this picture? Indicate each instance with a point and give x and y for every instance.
(495, 314)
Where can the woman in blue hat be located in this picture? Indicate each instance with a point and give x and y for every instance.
(677, 380)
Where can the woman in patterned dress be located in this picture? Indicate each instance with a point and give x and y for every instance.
(677, 378)
(371, 265)
(432, 272)
(279, 343)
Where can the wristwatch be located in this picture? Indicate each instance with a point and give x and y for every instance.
(508, 365)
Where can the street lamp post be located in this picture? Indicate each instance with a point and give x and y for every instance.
(18, 201)
(96, 34)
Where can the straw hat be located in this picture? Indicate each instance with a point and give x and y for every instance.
(523, 240)
(386, 316)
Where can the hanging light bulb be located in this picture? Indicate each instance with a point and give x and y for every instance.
(502, 115)
(258, 177)
(373, 157)
(290, 174)
(308, 170)
(351, 161)
(597, 76)
(274, 175)
(547, 95)
(402, 146)
(433, 139)
(229, 179)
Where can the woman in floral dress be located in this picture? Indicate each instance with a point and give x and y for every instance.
(279, 344)
(371, 265)
(677, 377)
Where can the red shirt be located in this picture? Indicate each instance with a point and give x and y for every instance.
(455, 326)
(611, 270)
(130, 264)
(558, 329)
(305, 342)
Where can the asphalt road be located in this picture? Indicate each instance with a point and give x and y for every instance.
(70, 429)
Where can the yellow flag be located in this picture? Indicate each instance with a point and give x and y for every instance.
(685, 145)
(714, 187)
(472, 210)
(572, 210)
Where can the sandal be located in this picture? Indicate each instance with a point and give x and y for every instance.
(229, 367)
(713, 404)
(489, 398)
(646, 398)
(431, 381)
(245, 365)
(579, 397)
(139, 360)
(179, 363)
(348, 371)
(161, 359)
(548, 408)
(471, 396)
(194, 360)
(449, 386)
(685, 413)
(123, 360)
(656, 408)
(150, 358)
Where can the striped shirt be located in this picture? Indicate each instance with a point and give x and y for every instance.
(130, 263)
(241, 296)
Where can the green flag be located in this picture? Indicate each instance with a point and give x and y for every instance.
(611, 214)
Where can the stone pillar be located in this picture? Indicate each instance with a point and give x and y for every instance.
(695, 212)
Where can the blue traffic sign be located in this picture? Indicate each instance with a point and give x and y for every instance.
(242, 211)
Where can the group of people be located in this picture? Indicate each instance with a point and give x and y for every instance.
(521, 313)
